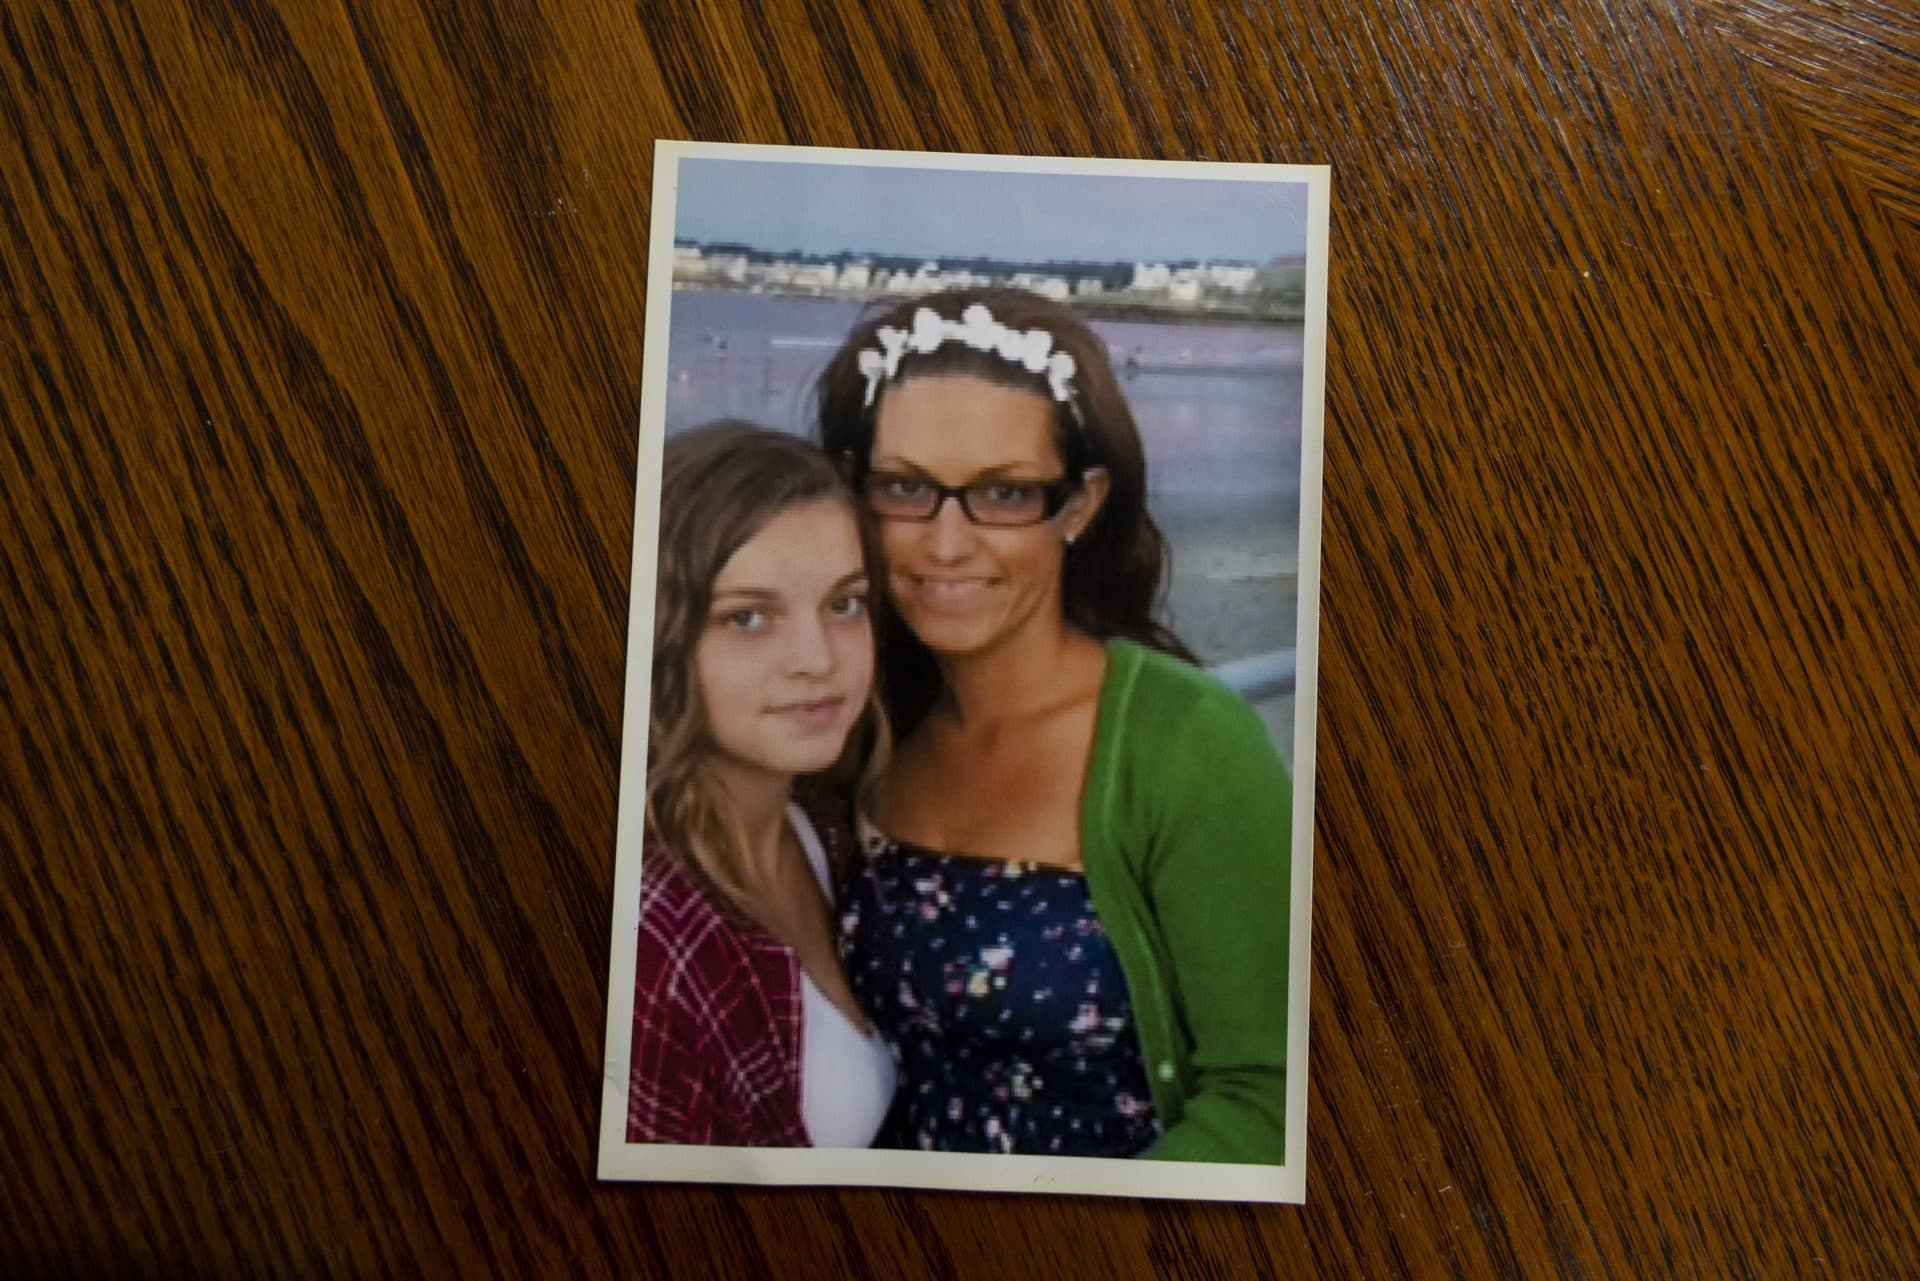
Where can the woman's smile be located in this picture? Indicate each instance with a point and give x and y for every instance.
(948, 592)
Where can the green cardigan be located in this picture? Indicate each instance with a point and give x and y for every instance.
(1186, 832)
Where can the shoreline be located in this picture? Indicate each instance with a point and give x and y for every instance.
(1093, 308)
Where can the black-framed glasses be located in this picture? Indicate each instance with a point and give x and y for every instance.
(1001, 502)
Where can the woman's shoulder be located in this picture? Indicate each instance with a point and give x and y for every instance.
(1169, 728)
(1157, 685)
(1189, 764)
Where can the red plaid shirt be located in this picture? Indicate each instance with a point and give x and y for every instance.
(716, 1014)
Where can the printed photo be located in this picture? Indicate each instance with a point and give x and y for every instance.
(966, 786)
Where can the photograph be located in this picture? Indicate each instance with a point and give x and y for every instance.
(965, 813)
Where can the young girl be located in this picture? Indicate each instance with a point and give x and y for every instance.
(745, 1031)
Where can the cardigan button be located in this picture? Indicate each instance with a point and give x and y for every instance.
(1166, 1070)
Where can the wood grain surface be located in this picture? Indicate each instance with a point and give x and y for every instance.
(319, 370)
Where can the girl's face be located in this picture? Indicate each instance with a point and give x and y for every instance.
(964, 588)
(786, 661)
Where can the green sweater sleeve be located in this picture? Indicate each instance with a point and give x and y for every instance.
(1219, 805)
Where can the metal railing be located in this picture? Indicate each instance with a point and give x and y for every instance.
(1259, 676)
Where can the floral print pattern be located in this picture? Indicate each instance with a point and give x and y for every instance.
(995, 986)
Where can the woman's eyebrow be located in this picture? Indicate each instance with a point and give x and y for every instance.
(1013, 471)
(888, 463)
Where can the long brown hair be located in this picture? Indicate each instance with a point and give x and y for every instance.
(1115, 578)
(720, 483)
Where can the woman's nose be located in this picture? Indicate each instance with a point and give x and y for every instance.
(950, 534)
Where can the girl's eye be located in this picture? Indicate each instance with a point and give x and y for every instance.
(905, 487)
(745, 620)
(853, 606)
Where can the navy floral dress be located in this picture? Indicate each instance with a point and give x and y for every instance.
(995, 986)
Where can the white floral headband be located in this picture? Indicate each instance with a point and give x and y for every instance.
(1031, 349)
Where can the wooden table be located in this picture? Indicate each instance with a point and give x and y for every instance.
(320, 369)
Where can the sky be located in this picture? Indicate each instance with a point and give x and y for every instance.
(955, 213)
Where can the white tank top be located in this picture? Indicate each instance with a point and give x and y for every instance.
(846, 1075)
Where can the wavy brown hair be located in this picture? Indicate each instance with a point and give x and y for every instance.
(720, 483)
(1115, 579)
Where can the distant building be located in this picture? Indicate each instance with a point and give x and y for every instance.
(1235, 278)
(1046, 286)
(925, 280)
(811, 276)
(1152, 277)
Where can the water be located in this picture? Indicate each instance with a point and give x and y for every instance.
(1219, 409)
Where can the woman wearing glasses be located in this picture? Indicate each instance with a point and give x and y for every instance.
(1071, 925)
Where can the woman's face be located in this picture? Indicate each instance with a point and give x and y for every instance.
(966, 589)
(786, 660)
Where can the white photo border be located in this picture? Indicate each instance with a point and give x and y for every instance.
(621, 1160)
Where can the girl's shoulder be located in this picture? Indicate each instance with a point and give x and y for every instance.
(668, 888)
(686, 934)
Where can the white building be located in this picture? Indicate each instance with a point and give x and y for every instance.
(819, 276)
(1152, 277)
(1235, 278)
(1053, 287)
(927, 279)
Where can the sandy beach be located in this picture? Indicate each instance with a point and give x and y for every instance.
(1234, 590)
